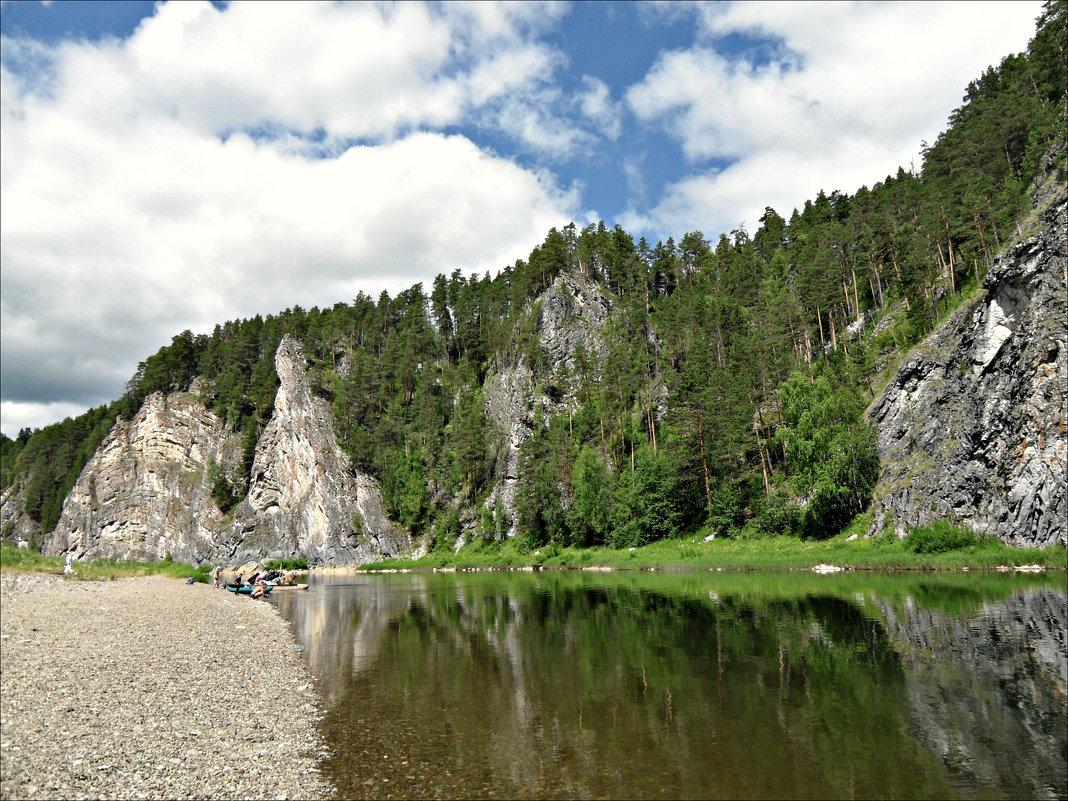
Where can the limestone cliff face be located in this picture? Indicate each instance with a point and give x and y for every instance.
(573, 313)
(146, 491)
(973, 427)
(303, 496)
(14, 522)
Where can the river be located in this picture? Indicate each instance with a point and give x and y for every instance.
(573, 684)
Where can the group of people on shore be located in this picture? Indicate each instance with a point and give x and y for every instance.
(257, 580)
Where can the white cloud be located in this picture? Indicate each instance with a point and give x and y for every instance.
(357, 70)
(136, 205)
(17, 416)
(635, 176)
(354, 70)
(497, 75)
(847, 97)
(530, 120)
(597, 105)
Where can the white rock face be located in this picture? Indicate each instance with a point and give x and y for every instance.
(146, 491)
(995, 333)
(303, 497)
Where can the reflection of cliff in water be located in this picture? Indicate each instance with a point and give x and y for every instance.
(340, 623)
(987, 691)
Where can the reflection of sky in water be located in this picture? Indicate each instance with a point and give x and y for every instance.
(689, 685)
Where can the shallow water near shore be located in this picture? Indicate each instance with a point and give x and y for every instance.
(568, 684)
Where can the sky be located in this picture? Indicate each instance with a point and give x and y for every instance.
(175, 165)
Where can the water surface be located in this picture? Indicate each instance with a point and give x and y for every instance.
(689, 685)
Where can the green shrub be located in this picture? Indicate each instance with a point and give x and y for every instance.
(749, 532)
(300, 563)
(446, 531)
(778, 514)
(941, 536)
(225, 494)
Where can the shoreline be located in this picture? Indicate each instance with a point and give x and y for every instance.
(820, 568)
(148, 687)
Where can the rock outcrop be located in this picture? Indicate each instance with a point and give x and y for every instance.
(16, 525)
(573, 313)
(973, 426)
(146, 492)
(303, 497)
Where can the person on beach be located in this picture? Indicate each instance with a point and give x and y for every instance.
(215, 573)
(68, 565)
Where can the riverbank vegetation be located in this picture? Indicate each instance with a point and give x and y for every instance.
(759, 554)
(960, 550)
(729, 397)
(17, 560)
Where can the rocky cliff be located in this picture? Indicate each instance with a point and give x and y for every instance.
(972, 429)
(146, 492)
(14, 522)
(303, 497)
(571, 316)
(973, 426)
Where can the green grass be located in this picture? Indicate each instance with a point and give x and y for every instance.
(747, 553)
(14, 560)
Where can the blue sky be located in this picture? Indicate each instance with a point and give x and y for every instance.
(166, 166)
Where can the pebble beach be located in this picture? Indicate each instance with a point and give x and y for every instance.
(147, 688)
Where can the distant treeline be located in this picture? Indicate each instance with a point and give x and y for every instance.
(744, 340)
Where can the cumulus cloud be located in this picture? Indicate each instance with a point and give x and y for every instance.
(353, 70)
(598, 106)
(817, 92)
(221, 163)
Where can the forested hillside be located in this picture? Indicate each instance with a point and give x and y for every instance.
(737, 371)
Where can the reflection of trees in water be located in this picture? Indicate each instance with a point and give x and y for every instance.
(564, 685)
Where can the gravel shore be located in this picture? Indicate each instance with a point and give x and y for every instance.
(151, 688)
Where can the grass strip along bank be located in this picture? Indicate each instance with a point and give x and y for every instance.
(780, 553)
(937, 547)
(22, 561)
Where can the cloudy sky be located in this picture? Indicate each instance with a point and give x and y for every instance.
(170, 166)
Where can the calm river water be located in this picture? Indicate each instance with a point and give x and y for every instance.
(566, 684)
